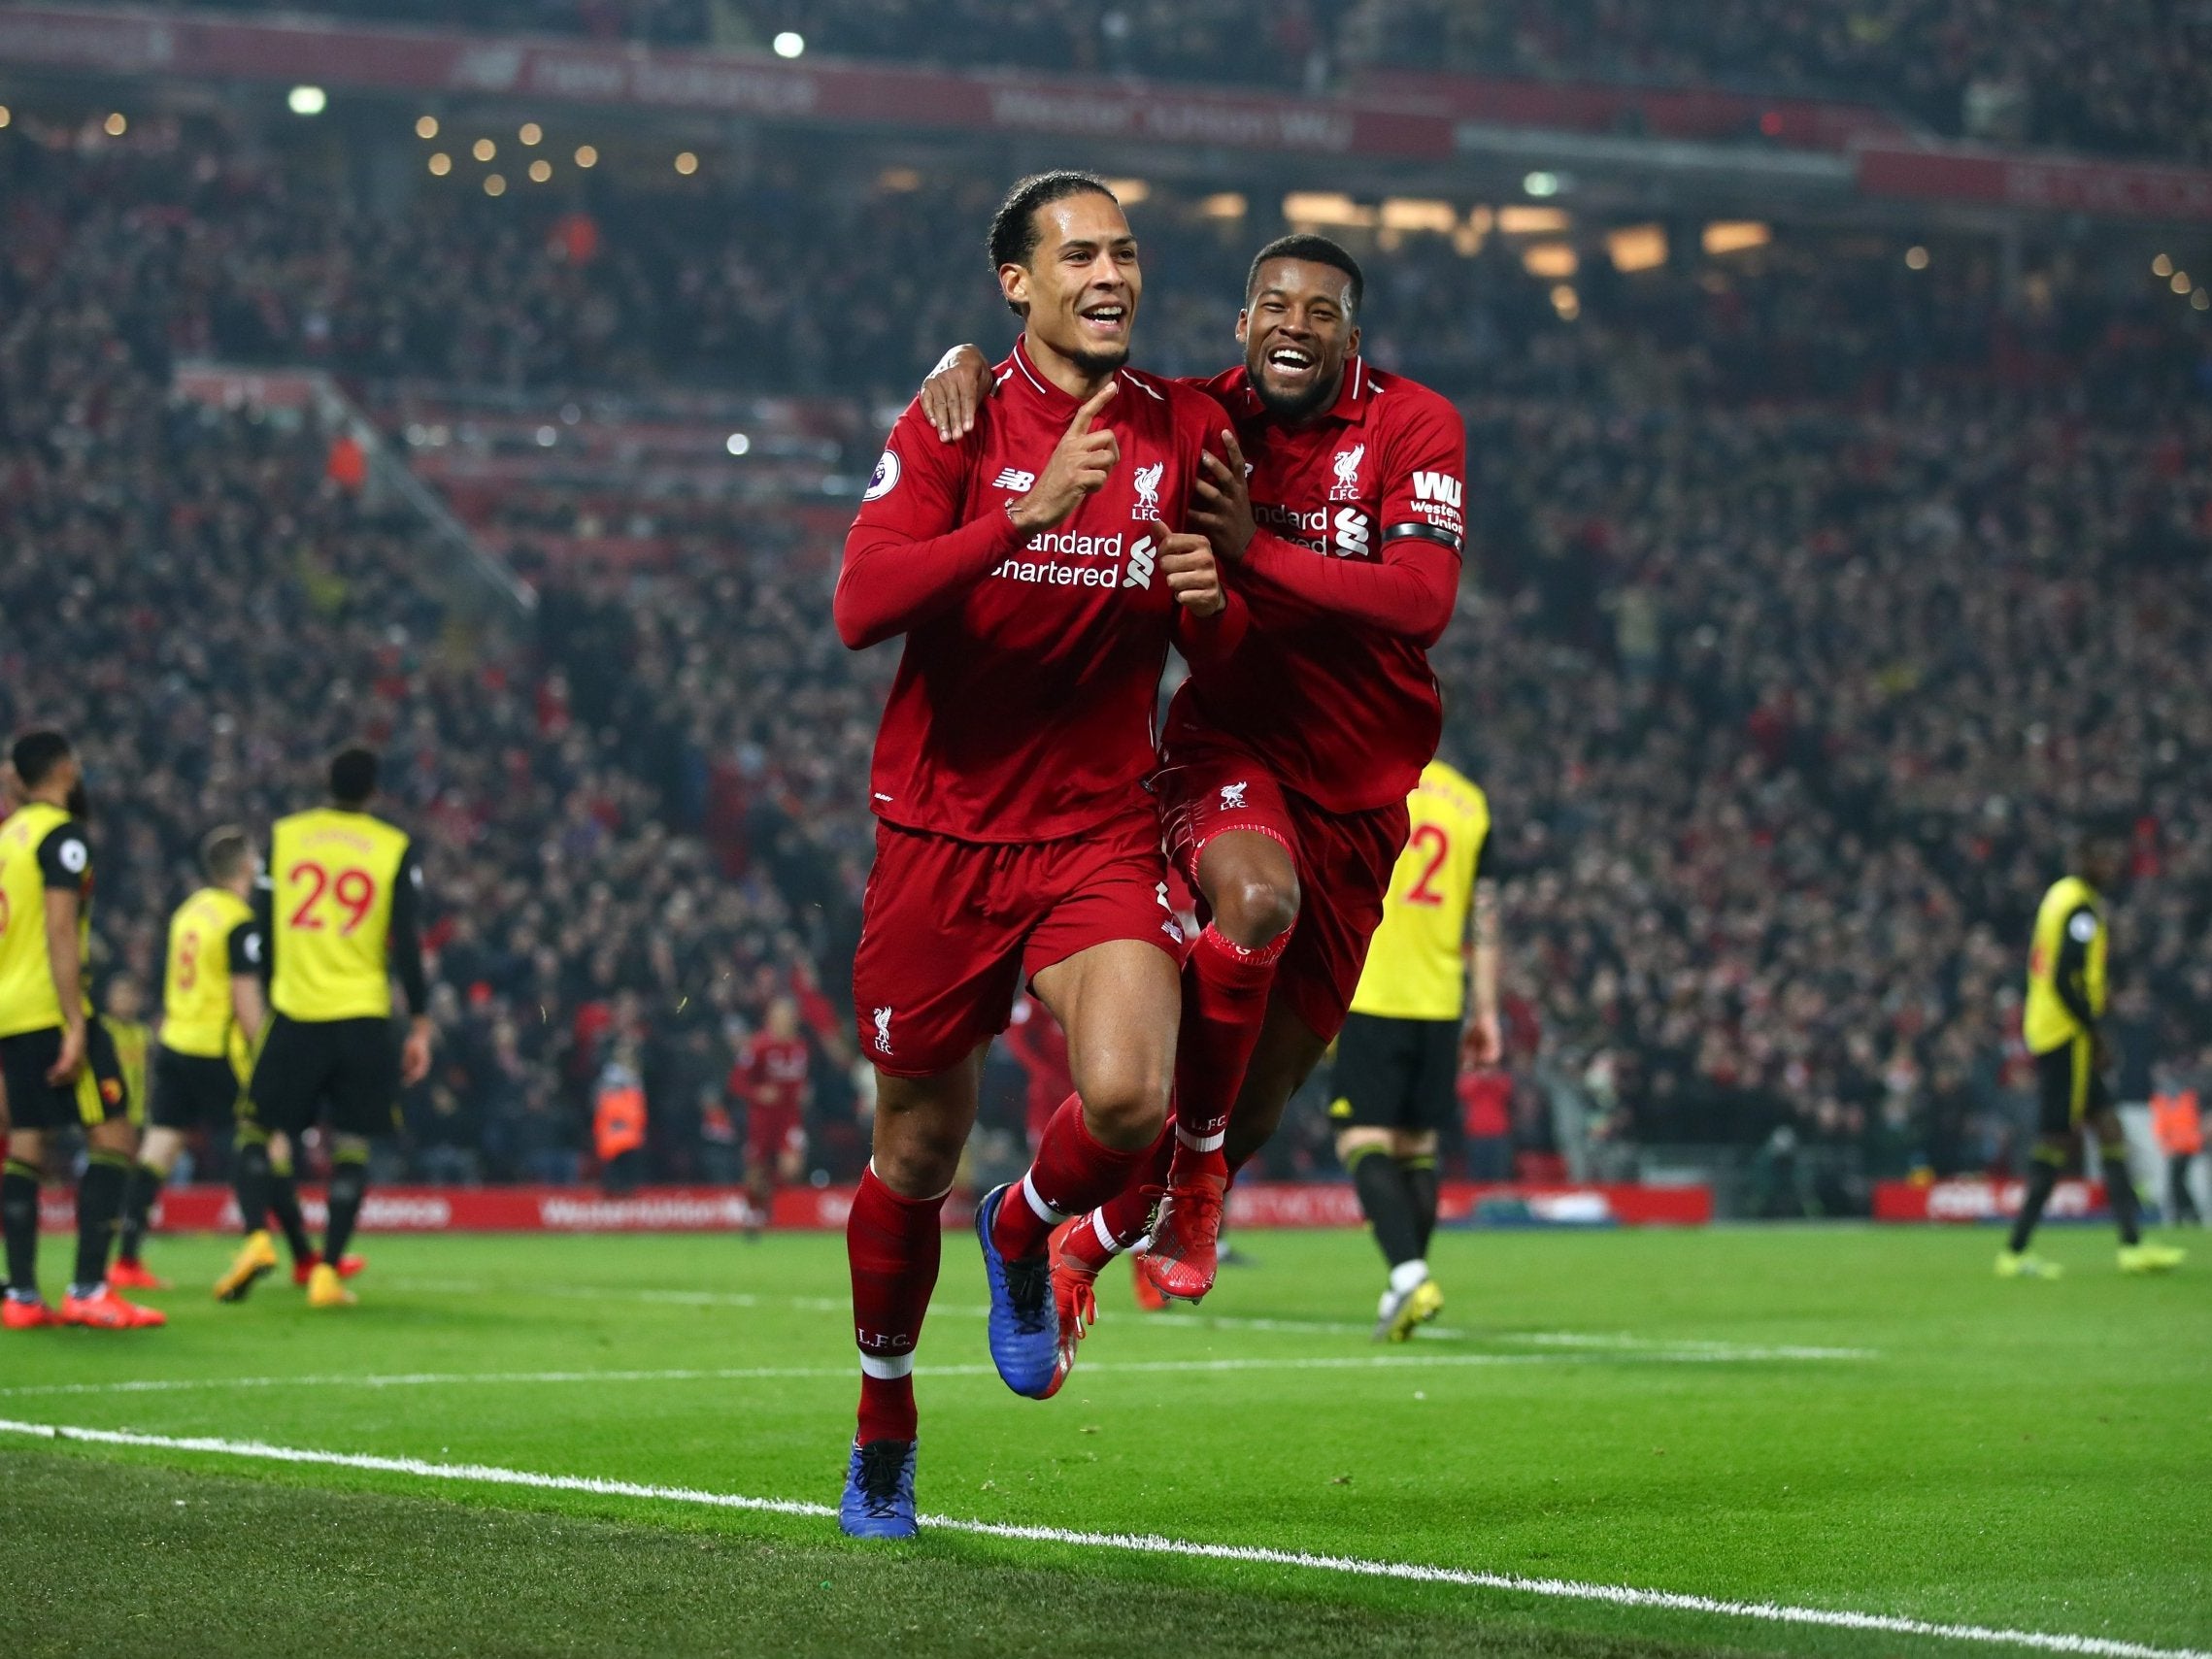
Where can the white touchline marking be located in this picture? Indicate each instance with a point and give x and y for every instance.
(1681, 1348)
(1148, 1543)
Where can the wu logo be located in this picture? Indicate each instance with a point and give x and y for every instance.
(1439, 486)
(1148, 492)
(883, 1031)
(1347, 465)
(1232, 796)
(1139, 572)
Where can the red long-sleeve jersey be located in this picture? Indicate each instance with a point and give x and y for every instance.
(1022, 706)
(1349, 580)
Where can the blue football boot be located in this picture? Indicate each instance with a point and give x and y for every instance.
(878, 1491)
(1024, 1323)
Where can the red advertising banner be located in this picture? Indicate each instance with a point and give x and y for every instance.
(769, 88)
(724, 1210)
(2109, 190)
(1980, 1199)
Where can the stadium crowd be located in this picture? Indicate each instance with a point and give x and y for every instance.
(1785, 666)
(2127, 81)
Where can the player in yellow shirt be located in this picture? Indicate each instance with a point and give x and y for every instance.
(2066, 983)
(212, 1012)
(1397, 1058)
(343, 898)
(57, 1064)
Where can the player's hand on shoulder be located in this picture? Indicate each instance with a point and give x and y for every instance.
(1193, 575)
(1220, 507)
(1081, 463)
(955, 390)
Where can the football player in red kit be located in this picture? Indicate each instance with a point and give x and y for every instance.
(1031, 567)
(1283, 776)
(771, 1076)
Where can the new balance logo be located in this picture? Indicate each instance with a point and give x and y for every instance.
(1232, 796)
(1439, 486)
(1013, 478)
(1139, 572)
(883, 1031)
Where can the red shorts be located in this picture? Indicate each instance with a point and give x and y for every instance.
(771, 1131)
(1344, 862)
(950, 929)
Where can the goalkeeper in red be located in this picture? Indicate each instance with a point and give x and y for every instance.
(1284, 772)
(1034, 576)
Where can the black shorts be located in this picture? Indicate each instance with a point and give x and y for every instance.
(351, 1066)
(191, 1091)
(2069, 1088)
(97, 1095)
(1396, 1074)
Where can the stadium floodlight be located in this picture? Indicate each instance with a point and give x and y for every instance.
(586, 155)
(117, 124)
(531, 132)
(6, 114)
(307, 100)
(790, 44)
(426, 126)
(737, 444)
(1540, 184)
(1916, 257)
(687, 163)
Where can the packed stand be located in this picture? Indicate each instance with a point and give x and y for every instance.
(193, 594)
(2124, 81)
(1786, 666)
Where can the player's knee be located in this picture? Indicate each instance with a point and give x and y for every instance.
(116, 1135)
(1126, 1104)
(1352, 1144)
(1257, 907)
(1408, 1143)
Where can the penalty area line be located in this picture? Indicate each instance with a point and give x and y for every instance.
(1143, 1543)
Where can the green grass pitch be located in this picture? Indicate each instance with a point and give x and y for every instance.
(1846, 1419)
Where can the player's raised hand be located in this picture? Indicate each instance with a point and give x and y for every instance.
(955, 390)
(1081, 463)
(1220, 502)
(1193, 575)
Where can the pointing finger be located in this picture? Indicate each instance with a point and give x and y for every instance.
(1088, 412)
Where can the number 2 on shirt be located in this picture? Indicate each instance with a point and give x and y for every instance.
(355, 891)
(1440, 848)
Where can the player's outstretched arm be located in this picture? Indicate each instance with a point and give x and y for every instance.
(904, 564)
(1409, 593)
(955, 390)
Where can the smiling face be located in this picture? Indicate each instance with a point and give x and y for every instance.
(1078, 292)
(1297, 327)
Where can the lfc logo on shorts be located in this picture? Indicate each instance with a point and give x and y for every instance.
(883, 1031)
(1232, 796)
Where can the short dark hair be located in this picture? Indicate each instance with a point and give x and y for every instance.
(37, 753)
(224, 852)
(1315, 250)
(352, 775)
(1014, 233)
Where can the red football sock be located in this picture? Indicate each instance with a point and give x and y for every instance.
(1224, 1002)
(893, 1246)
(1097, 1237)
(1074, 1172)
